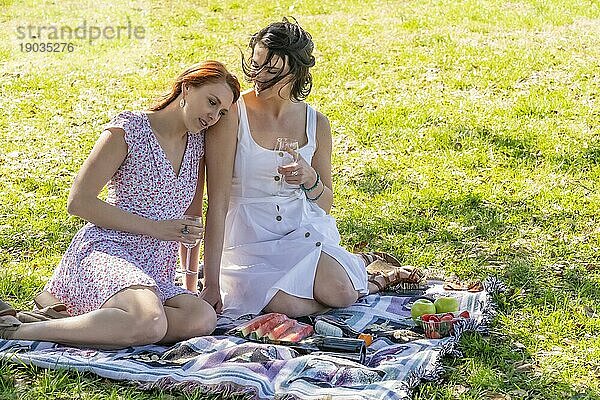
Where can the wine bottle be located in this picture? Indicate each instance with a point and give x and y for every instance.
(348, 348)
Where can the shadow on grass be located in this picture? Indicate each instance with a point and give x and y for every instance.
(489, 369)
(521, 149)
(579, 159)
(454, 221)
(515, 148)
(372, 181)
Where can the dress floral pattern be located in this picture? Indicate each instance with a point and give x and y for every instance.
(101, 262)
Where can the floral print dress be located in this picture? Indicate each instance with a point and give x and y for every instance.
(101, 262)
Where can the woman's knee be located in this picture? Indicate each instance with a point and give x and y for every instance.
(336, 294)
(147, 327)
(145, 320)
(290, 305)
(203, 320)
(188, 317)
(333, 286)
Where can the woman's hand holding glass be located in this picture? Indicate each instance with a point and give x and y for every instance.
(190, 240)
(299, 172)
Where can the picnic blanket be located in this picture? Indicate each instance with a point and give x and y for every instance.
(227, 364)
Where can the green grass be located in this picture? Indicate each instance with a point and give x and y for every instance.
(466, 140)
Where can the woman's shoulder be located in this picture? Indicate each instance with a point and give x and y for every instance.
(322, 119)
(128, 117)
(132, 123)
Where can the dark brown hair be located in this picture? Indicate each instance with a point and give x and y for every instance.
(294, 46)
(198, 75)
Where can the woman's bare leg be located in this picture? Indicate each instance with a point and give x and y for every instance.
(332, 288)
(134, 316)
(187, 317)
(293, 306)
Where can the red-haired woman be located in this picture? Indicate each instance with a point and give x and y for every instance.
(117, 276)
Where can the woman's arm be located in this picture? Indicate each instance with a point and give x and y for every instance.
(195, 208)
(221, 141)
(108, 154)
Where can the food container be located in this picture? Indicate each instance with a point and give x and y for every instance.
(437, 326)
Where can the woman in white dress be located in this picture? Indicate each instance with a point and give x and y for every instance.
(281, 247)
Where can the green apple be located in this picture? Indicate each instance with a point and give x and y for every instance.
(446, 304)
(422, 307)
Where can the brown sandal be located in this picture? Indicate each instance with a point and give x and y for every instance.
(55, 311)
(8, 327)
(6, 309)
(392, 275)
(475, 286)
(46, 299)
(381, 256)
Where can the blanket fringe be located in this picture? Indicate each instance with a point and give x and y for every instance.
(224, 389)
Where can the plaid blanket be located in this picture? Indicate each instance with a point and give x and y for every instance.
(226, 364)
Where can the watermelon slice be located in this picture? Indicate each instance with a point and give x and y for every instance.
(247, 327)
(280, 329)
(268, 326)
(297, 333)
(289, 332)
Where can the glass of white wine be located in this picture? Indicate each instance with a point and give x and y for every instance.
(190, 246)
(287, 153)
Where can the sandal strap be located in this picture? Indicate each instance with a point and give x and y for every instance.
(388, 258)
(387, 280)
(414, 277)
(393, 275)
(374, 282)
(8, 329)
(6, 309)
(368, 258)
(371, 257)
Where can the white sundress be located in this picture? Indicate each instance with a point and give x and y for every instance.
(274, 236)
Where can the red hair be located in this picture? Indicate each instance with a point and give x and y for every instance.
(198, 75)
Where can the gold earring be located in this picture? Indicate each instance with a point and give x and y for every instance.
(182, 102)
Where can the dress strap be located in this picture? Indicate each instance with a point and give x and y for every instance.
(311, 125)
(243, 125)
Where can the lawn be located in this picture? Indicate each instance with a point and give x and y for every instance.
(466, 141)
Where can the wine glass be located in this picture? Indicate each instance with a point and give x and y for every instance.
(284, 146)
(287, 154)
(190, 246)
